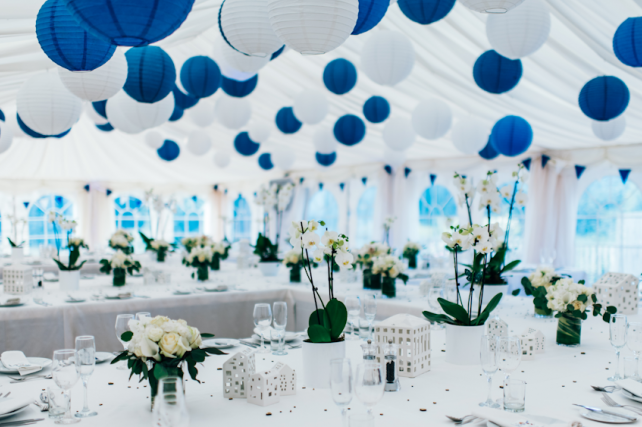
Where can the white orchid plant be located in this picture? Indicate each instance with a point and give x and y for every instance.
(61, 225)
(160, 208)
(122, 240)
(275, 197)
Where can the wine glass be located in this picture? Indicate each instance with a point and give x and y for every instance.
(341, 385)
(509, 354)
(122, 326)
(488, 357)
(369, 383)
(65, 376)
(353, 305)
(280, 314)
(434, 293)
(617, 336)
(169, 404)
(370, 311)
(85, 364)
(262, 320)
(140, 315)
(634, 342)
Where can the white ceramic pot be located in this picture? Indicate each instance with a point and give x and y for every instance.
(490, 291)
(463, 344)
(269, 269)
(17, 254)
(69, 280)
(316, 362)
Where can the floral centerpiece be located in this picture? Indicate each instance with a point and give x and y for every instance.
(220, 251)
(159, 246)
(122, 240)
(268, 253)
(201, 259)
(537, 285)
(122, 264)
(365, 258)
(161, 347)
(199, 241)
(67, 228)
(410, 252)
(292, 260)
(390, 268)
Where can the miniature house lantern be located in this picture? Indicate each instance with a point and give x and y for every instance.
(531, 342)
(619, 290)
(263, 388)
(412, 335)
(236, 373)
(18, 279)
(287, 379)
(497, 328)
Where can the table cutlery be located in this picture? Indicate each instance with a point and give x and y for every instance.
(462, 420)
(22, 422)
(249, 344)
(607, 389)
(603, 411)
(6, 395)
(23, 379)
(609, 401)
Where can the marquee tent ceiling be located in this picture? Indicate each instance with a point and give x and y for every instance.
(578, 49)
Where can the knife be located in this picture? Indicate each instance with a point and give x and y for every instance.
(598, 410)
(249, 344)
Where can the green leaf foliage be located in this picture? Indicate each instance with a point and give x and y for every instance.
(455, 310)
(492, 305)
(127, 336)
(318, 334)
(317, 315)
(438, 318)
(207, 335)
(338, 316)
(266, 250)
(516, 292)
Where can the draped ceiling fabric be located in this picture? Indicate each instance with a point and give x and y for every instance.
(578, 49)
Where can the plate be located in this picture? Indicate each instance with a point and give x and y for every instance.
(631, 396)
(12, 413)
(102, 356)
(73, 301)
(605, 418)
(181, 293)
(116, 297)
(221, 343)
(12, 305)
(41, 361)
(539, 421)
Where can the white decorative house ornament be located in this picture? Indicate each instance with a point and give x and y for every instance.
(491, 6)
(609, 130)
(17, 279)
(497, 328)
(287, 379)
(99, 84)
(534, 338)
(246, 26)
(236, 373)
(263, 388)
(387, 57)
(412, 335)
(619, 290)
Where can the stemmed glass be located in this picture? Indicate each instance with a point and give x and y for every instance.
(280, 311)
(370, 311)
(434, 293)
(634, 342)
(369, 383)
(140, 315)
(122, 326)
(65, 376)
(488, 357)
(341, 385)
(85, 364)
(509, 354)
(354, 310)
(262, 320)
(169, 404)
(617, 336)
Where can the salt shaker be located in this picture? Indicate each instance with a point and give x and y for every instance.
(390, 364)
(369, 351)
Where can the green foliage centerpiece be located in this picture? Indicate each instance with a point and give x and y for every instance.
(537, 285)
(365, 259)
(122, 240)
(159, 246)
(266, 250)
(122, 264)
(200, 258)
(410, 252)
(220, 251)
(390, 268)
(294, 262)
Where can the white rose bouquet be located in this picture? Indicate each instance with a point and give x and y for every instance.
(365, 258)
(122, 264)
(410, 252)
(159, 246)
(192, 242)
(294, 261)
(201, 259)
(74, 244)
(537, 285)
(390, 268)
(220, 251)
(122, 240)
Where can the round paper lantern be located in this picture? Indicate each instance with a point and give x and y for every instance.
(387, 57)
(495, 73)
(303, 25)
(237, 60)
(283, 158)
(245, 26)
(200, 76)
(604, 98)
(233, 113)
(286, 121)
(371, 12)
(169, 150)
(66, 43)
(154, 140)
(100, 84)
(265, 161)
(426, 11)
(521, 32)
(141, 115)
(277, 53)
(398, 134)
(199, 142)
(638, 2)
(259, 132)
(609, 130)
(310, 106)
(511, 136)
(105, 128)
(326, 159)
(119, 120)
(183, 100)
(239, 89)
(6, 137)
(12, 122)
(324, 141)
(491, 6)
(177, 114)
(488, 152)
(376, 109)
(432, 118)
(202, 114)
(32, 133)
(46, 106)
(340, 76)
(2, 117)
(349, 130)
(627, 42)
(222, 159)
(100, 108)
(151, 74)
(244, 145)
(470, 135)
(93, 114)
(130, 23)
(230, 72)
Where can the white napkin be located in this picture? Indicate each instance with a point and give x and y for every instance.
(10, 405)
(17, 360)
(507, 419)
(11, 300)
(631, 386)
(219, 288)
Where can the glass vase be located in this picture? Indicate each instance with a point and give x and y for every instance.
(412, 261)
(202, 274)
(569, 330)
(160, 256)
(295, 274)
(216, 263)
(543, 313)
(388, 286)
(371, 281)
(153, 381)
(120, 275)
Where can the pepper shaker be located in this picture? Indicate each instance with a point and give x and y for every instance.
(390, 364)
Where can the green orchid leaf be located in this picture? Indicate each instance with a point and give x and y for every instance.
(510, 266)
(338, 314)
(319, 314)
(439, 318)
(318, 333)
(611, 309)
(455, 310)
(492, 305)
(212, 350)
(516, 292)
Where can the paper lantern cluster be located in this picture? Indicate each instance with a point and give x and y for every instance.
(604, 98)
(245, 27)
(521, 32)
(326, 159)
(233, 113)
(237, 65)
(387, 57)
(491, 6)
(200, 76)
(202, 115)
(283, 158)
(151, 74)
(199, 142)
(30, 132)
(6, 137)
(286, 121)
(349, 130)
(609, 130)
(489, 152)
(495, 73)
(310, 106)
(340, 76)
(244, 145)
(627, 42)
(259, 132)
(183, 100)
(371, 12)
(398, 134)
(99, 84)
(239, 89)
(324, 141)
(130, 116)
(376, 109)
(154, 140)
(511, 136)
(470, 135)
(432, 118)
(426, 11)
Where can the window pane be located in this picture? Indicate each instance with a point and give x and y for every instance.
(365, 217)
(242, 219)
(323, 206)
(437, 211)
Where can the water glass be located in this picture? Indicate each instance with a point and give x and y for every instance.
(617, 336)
(514, 395)
(65, 375)
(85, 364)
(488, 358)
(434, 293)
(140, 315)
(361, 420)
(169, 405)
(630, 368)
(364, 329)
(341, 385)
(509, 354)
(262, 320)
(634, 342)
(369, 383)
(122, 326)
(277, 342)
(370, 312)
(280, 312)
(353, 305)
(59, 402)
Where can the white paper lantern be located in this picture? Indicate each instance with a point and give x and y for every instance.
(91, 112)
(324, 141)
(491, 6)
(99, 84)
(432, 118)
(470, 135)
(313, 27)
(202, 114)
(199, 142)
(638, 2)
(233, 113)
(283, 158)
(154, 139)
(394, 158)
(522, 31)
(310, 106)
(398, 134)
(6, 136)
(609, 130)
(222, 159)
(141, 115)
(12, 121)
(46, 106)
(235, 59)
(387, 57)
(259, 132)
(246, 26)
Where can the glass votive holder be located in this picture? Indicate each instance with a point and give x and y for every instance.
(59, 402)
(630, 368)
(277, 342)
(364, 329)
(361, 420)
(514, 395)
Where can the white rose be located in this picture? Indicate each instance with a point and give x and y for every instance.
(154, 333)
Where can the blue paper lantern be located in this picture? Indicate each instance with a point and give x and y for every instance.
(244, 145)
(265, 161)
(277, 53)
(183, 100)
(200, 76)
(239, 89)
(495, 73)
(106, 127)
(326, 159)
(151, 74)
(169, 150)
(340, 76)
(2, 116)
(511, 136)
(488, 152)
(376, 109)
(604, 98)
(426, 11)
(627, 42)
(130, 22)
(286, 121)
(176, 114)
(34, 134)
(100, 107)
(371, 12)
(349, 130)
(66, 43)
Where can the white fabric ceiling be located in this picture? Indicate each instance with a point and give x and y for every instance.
(578, 49)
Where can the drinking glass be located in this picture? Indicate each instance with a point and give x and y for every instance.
(434, 293)
(85, 364)
(509, 354)
(630, 367)
(354, 310)
(58, 401)
(280, 314)
(617, 336)
(488, 357)
(140, 315)
(514, 395)
(65, 376)
(341, 385)
(634, 342)
(122, 326)
(169, 404)
(370, 312)
(262, 320)
(369, 383)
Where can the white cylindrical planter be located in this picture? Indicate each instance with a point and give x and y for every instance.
(269, 269)
(490, 291)
(316, 362)
(17, 254)
(463, 344)
(69, 280)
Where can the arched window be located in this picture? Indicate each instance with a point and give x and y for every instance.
(437, 211)
(132, 215)
(323, 206)
(242, 224)
(365, 218)
(608, 214)
(517, 223)
(188, 218)
(41, 231)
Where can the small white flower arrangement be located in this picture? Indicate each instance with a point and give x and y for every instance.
(192, 242)
(369, 251)
(542, 276)
(200, 257)
(158, 246)
(410, 252)
(564, 297)
(292, 257)
(122, 240)
(390, 266)
(122, 264)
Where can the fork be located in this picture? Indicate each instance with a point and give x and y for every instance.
(607, 389)
(33, 377)
(5, 396)
(462, 420)
(607, 399)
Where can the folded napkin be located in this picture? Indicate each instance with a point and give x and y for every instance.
(508, 419)
(10, 300)
(631, 386)
(10, 405)
(17, 360)
(219, 288)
